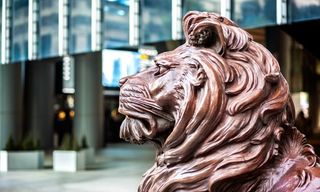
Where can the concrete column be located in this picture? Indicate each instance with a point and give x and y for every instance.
(279, 44)
(40, 101)
(11, 94)
(88, 121)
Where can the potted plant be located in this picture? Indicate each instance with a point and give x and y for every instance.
(89, 151)
(24, 155)
(69, 157)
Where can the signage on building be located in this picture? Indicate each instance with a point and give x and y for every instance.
(68, 75)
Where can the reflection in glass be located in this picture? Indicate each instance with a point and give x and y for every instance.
(115, 23)
(253, 13)
(300, 10)
(19, 31)
(0, 29)
(204, 5)
(155, 20)
(117, 64)
(48, 28)
(80, 26)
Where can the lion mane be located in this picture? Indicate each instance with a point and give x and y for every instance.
(236, 127)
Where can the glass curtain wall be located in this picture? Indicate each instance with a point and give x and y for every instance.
(79, 26)
(115, 23)
(19, 31)
(254, 13)
(300, 10)
(156, 19)
(204, 5)
(0, 29)
(48, 28)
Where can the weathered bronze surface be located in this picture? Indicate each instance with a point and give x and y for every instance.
(220, 114)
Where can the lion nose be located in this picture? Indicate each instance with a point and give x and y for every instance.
(123, 81)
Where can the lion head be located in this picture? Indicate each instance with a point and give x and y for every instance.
(215, 107)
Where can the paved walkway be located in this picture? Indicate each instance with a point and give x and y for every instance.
(117, 168)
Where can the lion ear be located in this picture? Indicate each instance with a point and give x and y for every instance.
(202, 30)
(200, 77)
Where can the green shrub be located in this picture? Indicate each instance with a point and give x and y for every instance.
(84, 143)
(69, 144)
(10, 145)
(26, 144)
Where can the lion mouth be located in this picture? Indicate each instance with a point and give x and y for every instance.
(134, 130)
(135, 101)
(141, 113)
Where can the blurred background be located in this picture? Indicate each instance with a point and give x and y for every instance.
(61, 60)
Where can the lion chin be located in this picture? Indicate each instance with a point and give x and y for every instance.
(220, 114)
(131, 130)
(144, 115)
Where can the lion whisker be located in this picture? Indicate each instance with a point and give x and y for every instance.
(146, 93)
(138, 91)
(148, 105)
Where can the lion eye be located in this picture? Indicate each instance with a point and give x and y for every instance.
(221, 19)
(161, 69)
(193, 66)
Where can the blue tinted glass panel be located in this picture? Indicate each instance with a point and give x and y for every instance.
(48, 28)
(155, 20)
(300, 10)
(0, 28)
(204, 5)
(80, 26)
(19, 31)
(117, 64)
(253, 13)
(115, 23)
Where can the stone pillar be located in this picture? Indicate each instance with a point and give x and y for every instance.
(279, 44)
(40, 101)
(88, 121)
(11, 94)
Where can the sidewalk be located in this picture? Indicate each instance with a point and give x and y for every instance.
(118, 168)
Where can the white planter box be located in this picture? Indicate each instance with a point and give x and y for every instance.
(21, 160)
(89, 153)
(68, 161)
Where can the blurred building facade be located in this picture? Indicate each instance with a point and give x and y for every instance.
(52, 55)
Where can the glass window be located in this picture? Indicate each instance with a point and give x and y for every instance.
(204, 5)
(48, 28)
(80, 26)
(115, 23)
(253, 13)
(300, 10)
(155, 20)
(19, 31)
(117, 64)
(0, 28)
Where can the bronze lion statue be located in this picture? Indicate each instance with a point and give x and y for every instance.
(220, 114)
